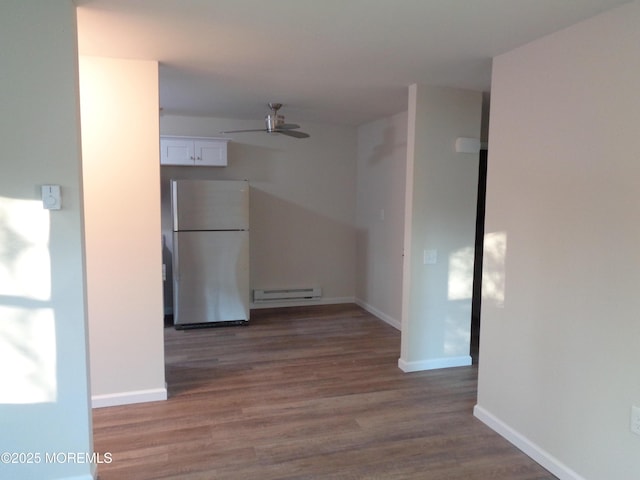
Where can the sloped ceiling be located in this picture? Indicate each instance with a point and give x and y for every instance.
(337, 61)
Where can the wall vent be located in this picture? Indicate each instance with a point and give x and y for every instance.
(286, 294)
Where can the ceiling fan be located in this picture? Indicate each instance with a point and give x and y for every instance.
(274, 123)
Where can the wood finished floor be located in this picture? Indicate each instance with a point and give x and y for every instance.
(304, 393)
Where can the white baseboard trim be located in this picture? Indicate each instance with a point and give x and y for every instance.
(381, 315)
(125, 398)
(301, 303)
(434, 363)
(531, 449)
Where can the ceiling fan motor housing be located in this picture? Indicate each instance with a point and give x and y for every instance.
(273, 121)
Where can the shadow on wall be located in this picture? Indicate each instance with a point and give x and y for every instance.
(290, 246)
(294, 246)
(388, 147)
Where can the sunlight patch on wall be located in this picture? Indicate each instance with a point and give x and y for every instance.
(493, 268)
(461, 274)
(24, 249)
(27, 321)
(27, 355)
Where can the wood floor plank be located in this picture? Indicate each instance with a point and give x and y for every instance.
(304, 393)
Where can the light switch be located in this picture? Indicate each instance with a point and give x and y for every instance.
(51, 199)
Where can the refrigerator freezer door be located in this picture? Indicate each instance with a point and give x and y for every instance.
(210, 205)
(211, 277)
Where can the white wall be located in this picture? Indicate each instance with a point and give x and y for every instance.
(44, 390)
(559, 350)
(302, 201)
(120, 148)
(441, 197)
(382, 157)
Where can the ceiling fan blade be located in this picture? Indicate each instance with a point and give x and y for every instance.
(275, 124)
(240, 131)
(288, 126)
(293, 133)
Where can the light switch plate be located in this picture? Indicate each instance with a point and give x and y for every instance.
(51, 198)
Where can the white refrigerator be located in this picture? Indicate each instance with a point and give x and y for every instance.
(210, 252)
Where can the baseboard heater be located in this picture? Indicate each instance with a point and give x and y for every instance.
(286, 294)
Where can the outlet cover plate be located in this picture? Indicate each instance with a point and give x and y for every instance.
(635, 419)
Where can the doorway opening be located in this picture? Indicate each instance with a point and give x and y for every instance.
(476, 299)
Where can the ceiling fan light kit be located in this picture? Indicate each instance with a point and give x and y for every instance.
(274, 123)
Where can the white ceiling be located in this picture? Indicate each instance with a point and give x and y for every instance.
(338, 61)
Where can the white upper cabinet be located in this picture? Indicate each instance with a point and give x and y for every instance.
(193, 151)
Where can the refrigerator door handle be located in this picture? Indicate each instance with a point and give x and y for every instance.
(174, 205)
(176, 275)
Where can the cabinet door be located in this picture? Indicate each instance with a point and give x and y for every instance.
(176, 151)
(210, 153)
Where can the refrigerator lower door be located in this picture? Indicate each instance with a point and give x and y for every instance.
(211, 277)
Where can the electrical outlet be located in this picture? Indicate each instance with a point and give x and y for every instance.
(635, 420)
(430, 257)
